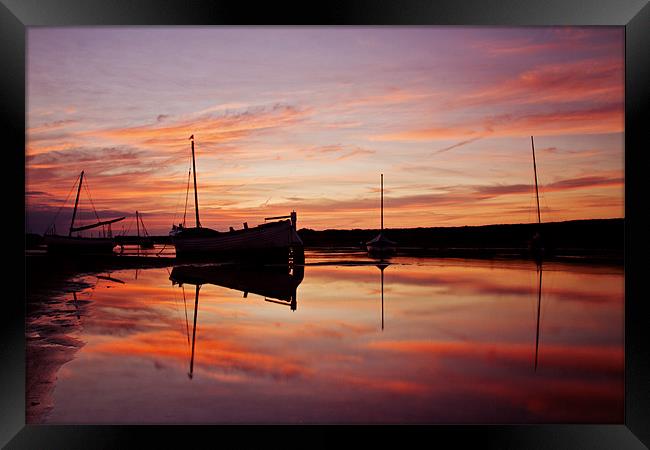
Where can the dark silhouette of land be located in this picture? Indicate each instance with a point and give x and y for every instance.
(586, 238)
(597, 237)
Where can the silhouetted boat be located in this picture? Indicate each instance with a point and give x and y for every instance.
(381, 246)
(78, 244)
(269, 241)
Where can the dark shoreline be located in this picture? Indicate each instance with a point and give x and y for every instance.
(579, 236)
(42, 269)
(590, 239)
(591, 234)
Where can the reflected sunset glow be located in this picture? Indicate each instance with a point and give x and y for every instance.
(458, 345)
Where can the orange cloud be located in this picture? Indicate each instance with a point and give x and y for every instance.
(607, 118)
(586, 80)
(206, 128)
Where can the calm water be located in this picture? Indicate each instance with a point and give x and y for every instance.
(460, 341)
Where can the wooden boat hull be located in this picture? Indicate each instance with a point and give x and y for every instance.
(274, 241)
(78, 245)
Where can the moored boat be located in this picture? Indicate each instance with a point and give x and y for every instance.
(269, 241)
(78, 244)
(381, 246)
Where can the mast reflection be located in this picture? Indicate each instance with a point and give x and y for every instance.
(539, 302)
(196, 304)
(382, 266)
(277, 284)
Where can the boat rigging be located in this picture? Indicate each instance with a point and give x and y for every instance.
(78, 244)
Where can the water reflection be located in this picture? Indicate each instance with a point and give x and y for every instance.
(458, 349)
(382, 266)
(539, 303)
(109, 278)
(277, 284)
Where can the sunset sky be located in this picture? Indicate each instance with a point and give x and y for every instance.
(306, 119)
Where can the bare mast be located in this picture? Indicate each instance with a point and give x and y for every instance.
(382, 202)
(196, 195)
(539, 217)
(137, 223)
(76, 203)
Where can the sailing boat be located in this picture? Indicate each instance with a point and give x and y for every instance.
(144, 241)
(77, 244)
(536, 244)
(381, 246)
(273, 240)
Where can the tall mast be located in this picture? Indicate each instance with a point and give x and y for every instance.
(137, 222)
(539, 217)
(196, 195)
(76, 202)
(382, 202)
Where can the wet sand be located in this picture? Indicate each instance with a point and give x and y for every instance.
(54, 318)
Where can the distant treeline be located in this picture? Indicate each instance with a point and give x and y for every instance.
(597, 234)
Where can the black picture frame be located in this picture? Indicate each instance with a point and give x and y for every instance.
(634, 15)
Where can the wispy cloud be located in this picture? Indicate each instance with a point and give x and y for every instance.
(433, 133)
(336, 152)
(556, 40)
(456, 145)
(585, 80)
(209, 128)
(607, 118)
